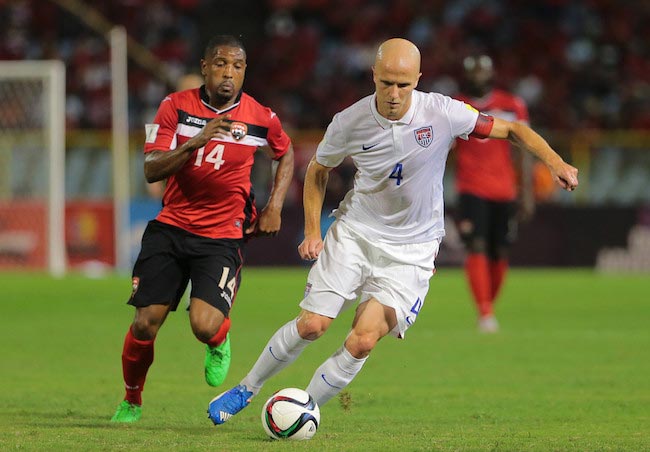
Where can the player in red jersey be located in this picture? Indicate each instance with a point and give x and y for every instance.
(486, 181)
(203, 142)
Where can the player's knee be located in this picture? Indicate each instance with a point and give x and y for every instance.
(145, 329)
(205, 320)
(361, 344)
(147, 321)
(205, 329)
(312, 326)
(203, 334)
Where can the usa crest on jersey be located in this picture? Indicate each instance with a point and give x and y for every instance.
(424, 136)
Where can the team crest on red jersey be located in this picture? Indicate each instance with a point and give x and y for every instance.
(424, 136)
(238, 130)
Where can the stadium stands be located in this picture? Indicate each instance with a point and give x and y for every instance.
(578, 63)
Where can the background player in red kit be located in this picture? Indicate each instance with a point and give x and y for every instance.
(486, 181)
(203, 142)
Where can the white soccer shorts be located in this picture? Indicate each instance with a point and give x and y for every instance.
(350, 267)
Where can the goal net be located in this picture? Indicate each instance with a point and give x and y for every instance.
(32, 159)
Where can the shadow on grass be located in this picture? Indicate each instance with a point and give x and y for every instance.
(54, 420)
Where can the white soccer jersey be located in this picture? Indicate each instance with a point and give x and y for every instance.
(397, 193)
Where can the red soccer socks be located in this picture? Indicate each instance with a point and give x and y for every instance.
(220, 335)
(477, 269)
(137, 356)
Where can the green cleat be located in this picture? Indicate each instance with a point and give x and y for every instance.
(127, 412)
(217, 362)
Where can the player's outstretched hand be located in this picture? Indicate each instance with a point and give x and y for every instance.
(565, 175)
(310, 248)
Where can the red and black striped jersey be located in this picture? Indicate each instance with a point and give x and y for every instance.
(485, 166)
(212, 195)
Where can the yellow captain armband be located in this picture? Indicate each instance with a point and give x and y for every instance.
(470, 108)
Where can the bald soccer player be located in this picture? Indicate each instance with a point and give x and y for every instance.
(381, 248)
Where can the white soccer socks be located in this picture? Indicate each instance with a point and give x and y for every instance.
(282, 349)
(334, 375)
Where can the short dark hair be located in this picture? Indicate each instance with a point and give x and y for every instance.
(223, 40)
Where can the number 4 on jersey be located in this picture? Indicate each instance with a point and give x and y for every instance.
(215, 156)
(397, 173)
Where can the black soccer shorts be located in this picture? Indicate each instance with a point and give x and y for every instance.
(171, 256)
(491, 221)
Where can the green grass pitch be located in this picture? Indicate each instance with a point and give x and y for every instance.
(569, 370)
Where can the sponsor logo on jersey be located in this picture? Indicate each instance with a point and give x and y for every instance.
(424, 136)
(195, 121)
(307, 289)
(238, 130)
(365, 147)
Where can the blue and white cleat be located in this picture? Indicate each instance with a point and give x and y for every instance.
(227, 404)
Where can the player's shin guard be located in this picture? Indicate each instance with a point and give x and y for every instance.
(282, 349)
(334, 375)
(137, 356)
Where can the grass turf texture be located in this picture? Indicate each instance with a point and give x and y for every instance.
(568, 371)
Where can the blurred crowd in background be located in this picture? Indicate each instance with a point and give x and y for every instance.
(582, 66)
(578, 63)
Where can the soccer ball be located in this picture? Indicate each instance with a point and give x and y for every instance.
(290, 413)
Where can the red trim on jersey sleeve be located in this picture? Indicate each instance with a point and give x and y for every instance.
(483, 127)
(167, 120)
(277, 138)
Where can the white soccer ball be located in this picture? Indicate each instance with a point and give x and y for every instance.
(290, 413)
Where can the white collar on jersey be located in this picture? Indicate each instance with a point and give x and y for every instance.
(404, 120)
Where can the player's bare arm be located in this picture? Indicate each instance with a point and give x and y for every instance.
(565, 175)
(526, 194)
(313, 195)
(270, 218)
(159, 165)
(526, 198)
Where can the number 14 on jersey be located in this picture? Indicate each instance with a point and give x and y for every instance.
(215, 156)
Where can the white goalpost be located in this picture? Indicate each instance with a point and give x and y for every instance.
(120, 151)
(32, 165)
